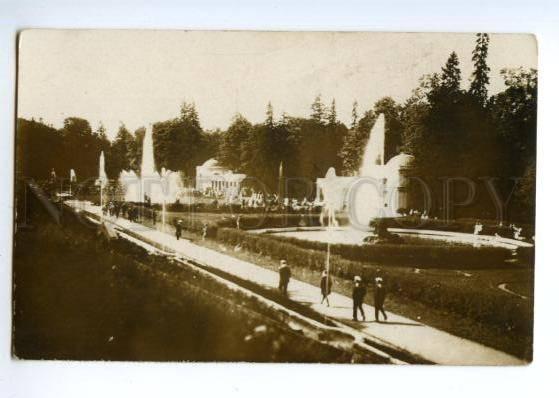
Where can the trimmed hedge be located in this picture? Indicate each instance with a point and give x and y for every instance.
(484, 305)
(426, 256)
(270, 220)
(420, 256)
(255, 221)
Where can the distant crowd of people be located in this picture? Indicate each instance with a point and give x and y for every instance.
(251, 200)
(273, 202)
(130, 211)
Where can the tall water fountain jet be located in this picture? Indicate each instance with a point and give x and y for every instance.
(102, 173)
(373, 155)
(102, 181)
(73, 179)
(151, 184)
(368, 198)
(159, 188)
(331, 202)
(147, 168)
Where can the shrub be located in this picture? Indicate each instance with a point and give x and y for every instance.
(269, 220)
(420, 256)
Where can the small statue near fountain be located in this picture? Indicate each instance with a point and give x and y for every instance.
(333, 199)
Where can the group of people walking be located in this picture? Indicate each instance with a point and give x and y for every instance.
(358, 293)
(130, 211)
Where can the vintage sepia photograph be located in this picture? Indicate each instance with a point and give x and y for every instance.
(285, 197)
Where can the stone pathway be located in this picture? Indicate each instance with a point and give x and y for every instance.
(408, 335)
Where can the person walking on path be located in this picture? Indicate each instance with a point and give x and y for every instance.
(325, 287)
(178, 229)
(380, 295)
(284, 276)
(359, 292)
(204, 231)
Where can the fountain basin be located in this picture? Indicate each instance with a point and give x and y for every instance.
(353, 236)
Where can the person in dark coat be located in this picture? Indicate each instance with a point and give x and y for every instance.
(325, 287)
(284, 276)
(359, 292)
(204, 230)
(380, 295)
(178, 229)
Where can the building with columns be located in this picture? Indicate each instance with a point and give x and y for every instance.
(213, 178)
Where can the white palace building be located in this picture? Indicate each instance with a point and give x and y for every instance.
(214, 178)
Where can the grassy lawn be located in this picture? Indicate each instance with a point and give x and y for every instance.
(522, 287)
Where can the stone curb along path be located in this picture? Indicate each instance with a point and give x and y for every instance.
(407, 335)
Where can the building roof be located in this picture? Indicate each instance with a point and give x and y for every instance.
(212, 168)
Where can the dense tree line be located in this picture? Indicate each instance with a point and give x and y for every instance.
(464, 142)
(41, 148)
(304, 148)
(179, 145)
(452, 131)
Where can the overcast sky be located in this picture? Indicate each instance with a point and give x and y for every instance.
(141, 77)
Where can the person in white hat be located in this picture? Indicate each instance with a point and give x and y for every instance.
(178, 228)
(359, 292)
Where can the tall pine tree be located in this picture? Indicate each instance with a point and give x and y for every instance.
(354, 115)
(480, 75)
(332, 114)
(450, 77)
(119, 154)
(317, 109)
(269, 115)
